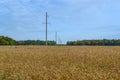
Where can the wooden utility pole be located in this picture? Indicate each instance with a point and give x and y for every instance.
(46, 28)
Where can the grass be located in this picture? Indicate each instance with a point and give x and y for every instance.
(59, 63)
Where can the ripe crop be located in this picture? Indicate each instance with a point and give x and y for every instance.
(59, 63)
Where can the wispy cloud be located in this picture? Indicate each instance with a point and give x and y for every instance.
(65, 15)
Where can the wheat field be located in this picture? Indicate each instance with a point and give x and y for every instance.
(59, 63)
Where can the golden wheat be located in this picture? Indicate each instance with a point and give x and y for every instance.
(59, 63)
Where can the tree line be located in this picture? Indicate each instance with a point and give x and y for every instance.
(9, 41)
(34, 42)
(6, 41)
(104, 42)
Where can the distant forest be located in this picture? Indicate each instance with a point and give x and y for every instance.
(10, 41)
(105, 42)
(34, 42)
(7, 41)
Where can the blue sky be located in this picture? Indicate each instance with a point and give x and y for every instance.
(72, 19)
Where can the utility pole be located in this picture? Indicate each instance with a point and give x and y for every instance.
(60, 42)
(46, 28)
(56, 37)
